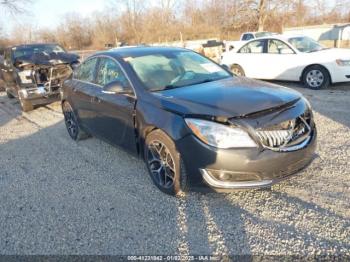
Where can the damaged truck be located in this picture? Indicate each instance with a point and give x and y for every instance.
(34, 73)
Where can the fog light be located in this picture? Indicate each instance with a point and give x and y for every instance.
(231, 176)
(224, 176)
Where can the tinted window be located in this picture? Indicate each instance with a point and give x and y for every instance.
(278, 47)
(253, 47)
(86, 70)
(247, 37)
(109, 71)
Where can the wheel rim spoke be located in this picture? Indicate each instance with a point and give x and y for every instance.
(315, 78)
(161, 164)
(70, 120)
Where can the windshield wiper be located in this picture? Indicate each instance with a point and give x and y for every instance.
(209, 80)
(168, 87)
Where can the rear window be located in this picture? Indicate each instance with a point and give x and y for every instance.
(247, 37)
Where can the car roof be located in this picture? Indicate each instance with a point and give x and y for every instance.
(279, 37)
(32, 45)
(139, 51)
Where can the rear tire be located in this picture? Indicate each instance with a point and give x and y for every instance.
(316, 77)
(164, 164)
(237, 70)
(70, 119)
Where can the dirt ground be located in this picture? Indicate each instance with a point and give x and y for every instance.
(62, 197)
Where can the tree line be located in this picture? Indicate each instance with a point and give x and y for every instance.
(142, 22)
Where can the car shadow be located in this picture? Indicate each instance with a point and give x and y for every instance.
(8, 109)
(64, 197)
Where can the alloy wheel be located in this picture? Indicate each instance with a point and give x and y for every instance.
(70, 121)
(161, 164)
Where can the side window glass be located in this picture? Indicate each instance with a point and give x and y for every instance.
(247, 37)
(256, 47)
(109, 71)
(278, 47)
(86, 70)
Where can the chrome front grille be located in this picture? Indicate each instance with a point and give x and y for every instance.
(285, 135)
(274, 138)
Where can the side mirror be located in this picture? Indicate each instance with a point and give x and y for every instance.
(115, 87)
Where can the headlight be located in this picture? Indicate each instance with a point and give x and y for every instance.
(341, 62)
(219, 135)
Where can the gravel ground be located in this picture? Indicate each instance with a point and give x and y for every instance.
(61, 197)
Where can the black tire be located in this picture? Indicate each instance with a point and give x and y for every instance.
(70, 119)
(164, 164)
(25, 104)
(237, 70)
(8, 93)
(316, 77)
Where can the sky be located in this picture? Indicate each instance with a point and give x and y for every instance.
(47, 13)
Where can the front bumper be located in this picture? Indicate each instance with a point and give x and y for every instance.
(40, 95)
(340, 74)
(227, 169)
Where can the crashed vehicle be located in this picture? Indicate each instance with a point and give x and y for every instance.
(34, 73)
(194, 123)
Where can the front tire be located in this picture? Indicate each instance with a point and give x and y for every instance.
(164, 164)
(316, 77)
(237, 70)
(70, 119)
(8, 93)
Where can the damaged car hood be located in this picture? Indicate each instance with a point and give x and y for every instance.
(47, 59)
(232, 97)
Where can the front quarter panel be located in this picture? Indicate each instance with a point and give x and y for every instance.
(150, 117)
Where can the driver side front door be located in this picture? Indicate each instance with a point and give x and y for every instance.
(114, 121)
(283, 61)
